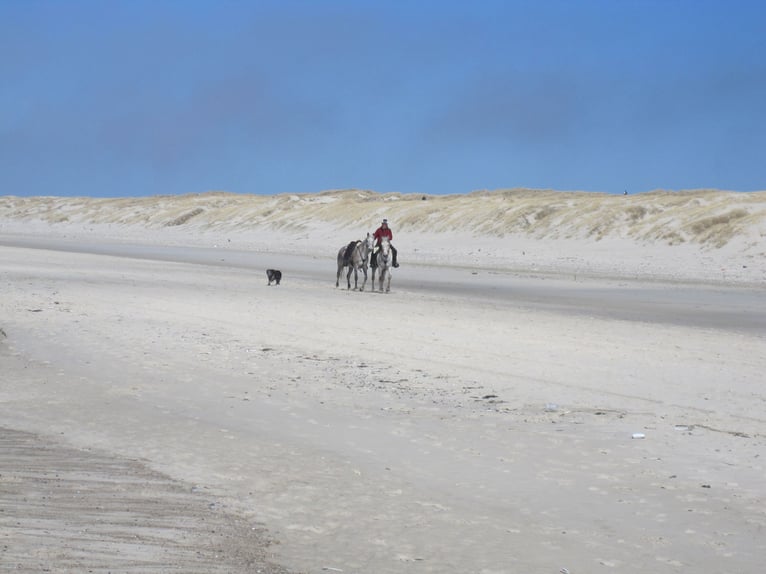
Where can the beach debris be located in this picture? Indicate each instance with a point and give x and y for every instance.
(638, 435)
(691, 427)
(331, 569)
(564, 571)
(551, 407)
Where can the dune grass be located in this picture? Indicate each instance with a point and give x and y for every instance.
(708, 218)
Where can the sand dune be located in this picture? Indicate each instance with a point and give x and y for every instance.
(708, 218)
(698, 235)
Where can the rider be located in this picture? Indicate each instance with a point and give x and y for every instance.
(380, 233)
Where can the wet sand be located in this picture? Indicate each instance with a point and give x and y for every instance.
(80, 510)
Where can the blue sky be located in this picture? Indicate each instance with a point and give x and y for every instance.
(131, 98)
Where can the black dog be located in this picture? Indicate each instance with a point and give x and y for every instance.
(274, 275)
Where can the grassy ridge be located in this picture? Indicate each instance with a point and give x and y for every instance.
(708, 218)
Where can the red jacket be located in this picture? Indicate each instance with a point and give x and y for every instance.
(380, 233)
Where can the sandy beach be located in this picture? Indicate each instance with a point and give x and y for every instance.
(557, 382)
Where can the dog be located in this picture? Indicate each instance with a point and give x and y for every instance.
(274, 275)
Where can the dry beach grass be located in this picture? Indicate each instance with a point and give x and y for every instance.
(708, 218)
(477, 419)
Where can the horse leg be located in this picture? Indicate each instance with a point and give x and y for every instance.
(348, 275)
(388, 281)
(364, 269)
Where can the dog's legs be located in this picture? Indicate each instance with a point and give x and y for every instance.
(340, 270)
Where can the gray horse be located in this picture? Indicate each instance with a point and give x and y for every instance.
(383, 260)
(357, 259)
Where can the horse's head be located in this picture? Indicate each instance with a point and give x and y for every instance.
(385, 246)
(369, 241)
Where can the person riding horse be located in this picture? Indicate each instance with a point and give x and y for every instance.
(380, 233)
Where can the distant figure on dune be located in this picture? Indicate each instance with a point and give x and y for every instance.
(380, 233)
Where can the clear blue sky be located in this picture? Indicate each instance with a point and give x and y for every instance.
(131, 98)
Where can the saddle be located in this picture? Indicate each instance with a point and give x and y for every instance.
(349, 250)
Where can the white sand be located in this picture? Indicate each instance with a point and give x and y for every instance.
(409, 432)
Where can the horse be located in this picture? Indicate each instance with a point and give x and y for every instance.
(383, 259)
(357, 260)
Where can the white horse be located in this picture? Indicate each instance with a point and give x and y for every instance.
(357, 260)
(383, 260)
